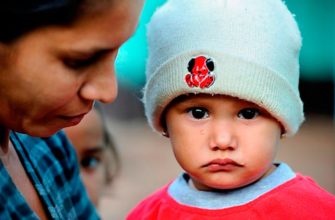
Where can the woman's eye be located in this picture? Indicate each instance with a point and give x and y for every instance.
(248, 113)
(90, 162)
(198, 113)
(83, 61)
(78, 63)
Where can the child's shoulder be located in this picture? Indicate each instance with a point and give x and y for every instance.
(149, 205)
(298, 198)
(302, 192)
(309, 188)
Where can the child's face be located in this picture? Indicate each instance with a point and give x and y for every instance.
(222, 142)
(87, 139)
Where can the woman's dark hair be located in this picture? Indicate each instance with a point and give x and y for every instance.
(20, 16)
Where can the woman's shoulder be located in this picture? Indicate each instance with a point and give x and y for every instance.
(49, 150)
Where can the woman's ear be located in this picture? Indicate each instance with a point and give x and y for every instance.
(4, 53)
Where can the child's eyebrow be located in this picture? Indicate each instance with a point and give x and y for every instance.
(94, 150)
(180, 99)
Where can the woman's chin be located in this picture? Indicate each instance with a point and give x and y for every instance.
(40, 131)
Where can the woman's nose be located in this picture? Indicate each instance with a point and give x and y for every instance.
(101, 84)
(223, 137)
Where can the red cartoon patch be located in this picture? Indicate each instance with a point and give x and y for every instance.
(200, 72)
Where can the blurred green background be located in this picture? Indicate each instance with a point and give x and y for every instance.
(316, 19)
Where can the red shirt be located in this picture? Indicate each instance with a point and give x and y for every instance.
(299, 198)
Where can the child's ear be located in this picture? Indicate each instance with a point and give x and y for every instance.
(163, 123)
(282, 134)
(190, 65)
(165, 133)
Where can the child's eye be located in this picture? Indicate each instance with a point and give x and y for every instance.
(248, 113)
(90, 162)
(198, 113)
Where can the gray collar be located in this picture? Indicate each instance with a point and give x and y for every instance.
(180, 191)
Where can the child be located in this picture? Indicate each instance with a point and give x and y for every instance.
(97, 155)
(223, 86)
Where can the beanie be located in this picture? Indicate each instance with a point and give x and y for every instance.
(247, 49)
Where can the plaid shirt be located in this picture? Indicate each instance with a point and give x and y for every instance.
(51, 165)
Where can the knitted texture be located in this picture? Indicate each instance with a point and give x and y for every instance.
(252, 47)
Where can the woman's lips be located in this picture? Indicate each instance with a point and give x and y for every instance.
(222, 165)
(73, 120)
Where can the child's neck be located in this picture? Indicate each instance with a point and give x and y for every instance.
(271, 169)
(191, 184)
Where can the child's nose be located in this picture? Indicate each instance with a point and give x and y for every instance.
(223, 137)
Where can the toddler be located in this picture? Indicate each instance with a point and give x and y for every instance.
(223, 86)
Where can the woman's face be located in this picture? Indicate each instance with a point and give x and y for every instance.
(50, 77)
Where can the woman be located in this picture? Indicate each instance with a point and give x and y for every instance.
(56, 59)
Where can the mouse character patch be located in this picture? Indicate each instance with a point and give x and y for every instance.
(200, 73)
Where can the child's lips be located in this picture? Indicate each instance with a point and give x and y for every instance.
(225, 164)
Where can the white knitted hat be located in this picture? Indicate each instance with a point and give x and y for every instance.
(243, 48)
